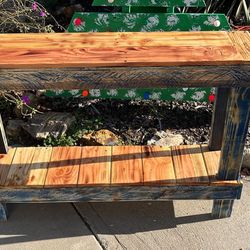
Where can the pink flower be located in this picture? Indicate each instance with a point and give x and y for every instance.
(42, 13)
(34, 6)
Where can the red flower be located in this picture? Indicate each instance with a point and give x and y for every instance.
(78, 21)
(85, 93)
(211, 98)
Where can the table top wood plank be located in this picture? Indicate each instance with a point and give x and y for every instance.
(189, 164)
(19, 171)
(39, 166)
(64, 167)
(121, 49)
(158, 166)
(5, 164)
(212, 159)
(95, 167)
(126, 165)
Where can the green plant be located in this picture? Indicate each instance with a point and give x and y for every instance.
(25, 16)
(64, 140)
(21, 101)
(75, 133)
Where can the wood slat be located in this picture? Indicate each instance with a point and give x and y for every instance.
(112, 39)
(241, 41)
(95, 168)
(212, 159)
(127, 49)
(64, 167)
(19, 171)
(189, 164)
(39, 167)
(5, 164)
(127, 165)
(158, 167)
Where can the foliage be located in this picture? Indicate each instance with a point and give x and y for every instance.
(25, 16)
(80, 127)
(19, 100)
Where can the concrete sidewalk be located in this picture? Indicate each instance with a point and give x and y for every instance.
(135, 225)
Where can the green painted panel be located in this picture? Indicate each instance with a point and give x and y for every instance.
(144, 22)
(155, 3)
(119, 22)
(170, 94)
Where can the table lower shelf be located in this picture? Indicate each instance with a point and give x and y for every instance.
(108, 173)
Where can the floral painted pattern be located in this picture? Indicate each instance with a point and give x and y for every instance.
(158, 3)
(171, 94)
(146, 22)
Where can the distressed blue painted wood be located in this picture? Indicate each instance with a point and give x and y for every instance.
(3, 212)
(120, 193)
(125, 77)
(235, 132)
(222, 208)
(3, 139)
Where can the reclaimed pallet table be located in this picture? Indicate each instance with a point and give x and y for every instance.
(131, 173)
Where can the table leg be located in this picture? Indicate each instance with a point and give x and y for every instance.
(234, 137)
(3, 212)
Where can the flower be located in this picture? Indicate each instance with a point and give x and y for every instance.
(42, 13)
(211, 98)
(35, 6)
(26, 99)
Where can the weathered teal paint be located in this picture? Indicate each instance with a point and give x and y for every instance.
(3, 212)
(222, 208)
(235, 132)
(120, 193)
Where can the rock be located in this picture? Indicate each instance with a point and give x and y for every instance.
(246, 159)
(102, 137)
(162, 138)
(14, 128)
(68, 11)
(55, 124)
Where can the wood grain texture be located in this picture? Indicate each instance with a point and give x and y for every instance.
(39, 166)
(235, 132)
(158, 167)
(212, 160)
(64, 167)
(5, 164)
(241, 40)
(113, 39)
(125, 77)
(19, 171)
(120, 193)
(127, 165)
(95, 168)
(118, 49)
(189, 164)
